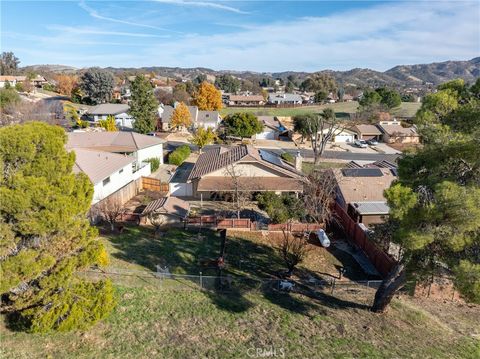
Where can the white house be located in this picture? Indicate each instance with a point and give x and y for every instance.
(12, 80)
(341, 135)
(199, 118)
(113, 159)
(107, 171)
(285, 98)
(120, 111)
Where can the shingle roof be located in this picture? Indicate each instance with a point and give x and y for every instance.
(366, 129)
(207, 116)
(247, 98)
(364, 189)
(398, 130)
(270, 121)
(169, 205)
(168, 112)
(109, 109)
(98, 165)
(111, 141)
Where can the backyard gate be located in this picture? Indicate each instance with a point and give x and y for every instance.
(153, 184)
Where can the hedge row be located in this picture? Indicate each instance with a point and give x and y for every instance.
(178, 156)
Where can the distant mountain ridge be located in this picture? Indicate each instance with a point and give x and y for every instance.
(402, 75)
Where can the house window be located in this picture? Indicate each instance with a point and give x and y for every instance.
(106, 181)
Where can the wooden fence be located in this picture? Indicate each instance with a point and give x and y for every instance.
(220, 223)
(381, 260)
(295, 227)
(153, 184)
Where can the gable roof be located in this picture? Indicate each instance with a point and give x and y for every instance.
(111, 141)
(168, 205)
(398, 130)
(208, 116)
(366, 130)
(218, 158)
(168, 112)
(271, 122)
(109, 109)
(98, 165)
(247, 98)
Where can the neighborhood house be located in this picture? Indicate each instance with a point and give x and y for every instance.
(199, 118)
(285, 99)
(394, 132)
(272, 129)
(246, 100)
(367, 132)
(243, 168)
(113, 159)
(123, 119)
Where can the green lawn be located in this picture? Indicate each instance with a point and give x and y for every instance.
(342, 109)
(152, 321)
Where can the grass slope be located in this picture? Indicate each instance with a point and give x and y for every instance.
(153, 320)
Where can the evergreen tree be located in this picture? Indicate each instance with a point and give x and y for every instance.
(45, 235)
(242, 124)
(97, 85)
(143, 106)
(434, 211)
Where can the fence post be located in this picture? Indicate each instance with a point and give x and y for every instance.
(201, 281)
(333, 285)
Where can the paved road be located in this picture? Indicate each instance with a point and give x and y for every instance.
(335, 155)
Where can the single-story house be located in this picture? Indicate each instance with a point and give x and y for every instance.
(285, 99)
(367, 132)
(246, 100)
(131, 144)
(360, 192)
(396, 133)
(120, 111)
(256, 171)
(108, 172)
(199, 118)
(169, 211)
(272, 129)
(38, 81)
(341, 135)
(12, 80)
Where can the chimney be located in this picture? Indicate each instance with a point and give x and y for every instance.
(298, 162)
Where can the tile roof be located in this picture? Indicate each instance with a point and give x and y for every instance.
(364, 189)
(119, 141)
(168, 205)
(109, 109)
(98, 165)
(215, 159)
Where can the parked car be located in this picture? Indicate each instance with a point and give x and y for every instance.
(361, 143)
(372, 142)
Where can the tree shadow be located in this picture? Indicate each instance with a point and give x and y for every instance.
(249, 265)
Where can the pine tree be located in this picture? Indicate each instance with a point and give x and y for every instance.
(144, 105)
(46, 238)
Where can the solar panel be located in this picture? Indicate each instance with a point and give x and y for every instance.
(362, 172)
(270, 157)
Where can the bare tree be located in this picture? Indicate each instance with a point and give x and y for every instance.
(293, 250)
(157, 220)
(319, 191)
(240, 192)
(50, 112)
(321, 128)
(110, 210)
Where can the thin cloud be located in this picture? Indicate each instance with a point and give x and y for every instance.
(89, 31)
(207, 4)
(93, 13)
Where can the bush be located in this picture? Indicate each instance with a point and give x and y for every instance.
(178, 156)
(281, 208)
(8, 96)
(288, 157)
(49, 87)
(154, 163)
(19, 87)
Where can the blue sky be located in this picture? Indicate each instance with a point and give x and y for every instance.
(241, 35)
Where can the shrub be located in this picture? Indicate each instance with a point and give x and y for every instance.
(281, 208)
(178, 156)
(288, 157)
(154, 163)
